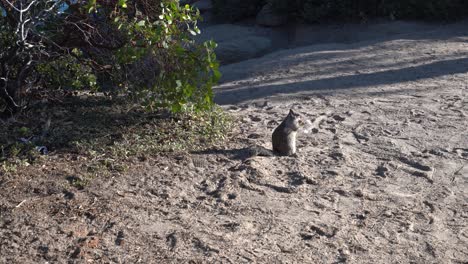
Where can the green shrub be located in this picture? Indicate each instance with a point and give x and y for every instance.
(142, 48)
(67, 73)
(176, 72)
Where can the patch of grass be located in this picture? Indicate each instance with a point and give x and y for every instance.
(79, 183)
(108, 133)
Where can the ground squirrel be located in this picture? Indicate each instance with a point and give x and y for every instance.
(284, 136)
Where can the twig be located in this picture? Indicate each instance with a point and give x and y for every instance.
(457, 172)
(21, 203)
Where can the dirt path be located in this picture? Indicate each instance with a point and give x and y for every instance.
(384, 179)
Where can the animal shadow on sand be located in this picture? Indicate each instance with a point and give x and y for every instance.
(233, 154)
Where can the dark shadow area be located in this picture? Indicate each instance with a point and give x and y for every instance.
(354, 64)
(371, 33)
(295, 179)
(233, 154)
(432, 70)
(344, 66)
(76, 121)
(89, 119)
(327, 37)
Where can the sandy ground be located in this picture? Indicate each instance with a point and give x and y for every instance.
(383, 179)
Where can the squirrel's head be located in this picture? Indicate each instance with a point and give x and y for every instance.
(293, 120)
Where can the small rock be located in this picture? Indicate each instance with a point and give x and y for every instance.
(357, 174)
(255, 118)
(388, 213)
(331, 172)
(223, 197)
(68, 195)
(345, 253)
(254, 136)
(323, 230)
(341, 192)
(336, 155)
(339, 118)
(358, 193)
(286, 248)
(307, 236)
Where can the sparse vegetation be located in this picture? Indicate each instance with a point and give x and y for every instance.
(109, 133)
(133, 61)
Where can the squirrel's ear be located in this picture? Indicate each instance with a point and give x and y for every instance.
(291, 112)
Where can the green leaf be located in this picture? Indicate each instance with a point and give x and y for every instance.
(91, 6)
(123, 3)
(216, 75)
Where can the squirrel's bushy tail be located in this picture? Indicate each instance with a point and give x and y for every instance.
(260, 151)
